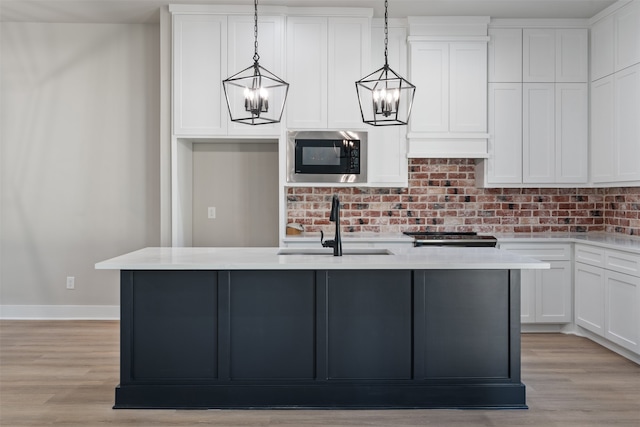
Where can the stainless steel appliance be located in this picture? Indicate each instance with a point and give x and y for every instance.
(462, 238)
(327, 156)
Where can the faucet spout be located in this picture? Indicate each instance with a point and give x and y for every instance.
(334, 216)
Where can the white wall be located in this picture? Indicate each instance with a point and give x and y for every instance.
(79, 160)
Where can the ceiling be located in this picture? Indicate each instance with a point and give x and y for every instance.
(147, 11)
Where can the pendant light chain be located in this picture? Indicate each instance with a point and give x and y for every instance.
(386, 32)
(256, 57)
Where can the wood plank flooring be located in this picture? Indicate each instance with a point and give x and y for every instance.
(63, 373)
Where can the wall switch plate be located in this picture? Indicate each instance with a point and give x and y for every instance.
(71, 282)
(211, 213)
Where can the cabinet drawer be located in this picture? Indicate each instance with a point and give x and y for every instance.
(622, 262)
(590, 255)
(542, 251)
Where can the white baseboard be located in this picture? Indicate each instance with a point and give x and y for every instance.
(60, 312)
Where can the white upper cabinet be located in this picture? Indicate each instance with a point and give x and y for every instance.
(555, 55)
(325, 57)
(505, 130)
(538, 120)
(349, 58)
(539, 55)
(199, 44)
(451, 78)
(505, 55)
(468, 90)
(627, 124)
(448, 66)
(538, 136)
(615, 97)
(208, 48)
(602, 130)
(307, 72)
(615, 128)
(572, 62)
(602, 63)
(571, 154)
(627, 36)
(430, 75)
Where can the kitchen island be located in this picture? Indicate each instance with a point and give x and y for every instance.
(251, 328)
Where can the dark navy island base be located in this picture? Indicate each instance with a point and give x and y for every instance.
(320, 339)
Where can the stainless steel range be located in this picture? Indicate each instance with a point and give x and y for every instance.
(460, 238)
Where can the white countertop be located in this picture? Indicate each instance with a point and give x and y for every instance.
(607, 240)
(410, 258)
(602, 239)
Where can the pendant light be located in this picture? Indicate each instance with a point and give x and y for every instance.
(385, 97)
(255, 96)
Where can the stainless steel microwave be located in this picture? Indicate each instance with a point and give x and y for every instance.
(327, 156)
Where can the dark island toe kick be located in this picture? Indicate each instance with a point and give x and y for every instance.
(326, 396)
(320, 339)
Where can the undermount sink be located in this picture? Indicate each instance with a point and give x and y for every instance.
(324, 251)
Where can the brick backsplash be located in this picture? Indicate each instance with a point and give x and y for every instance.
(442, 196)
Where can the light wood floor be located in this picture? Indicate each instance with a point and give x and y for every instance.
(63, 373)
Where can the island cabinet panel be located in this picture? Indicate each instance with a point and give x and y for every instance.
(369, 324)
(172, 322)
(272, 324)
(466, 324)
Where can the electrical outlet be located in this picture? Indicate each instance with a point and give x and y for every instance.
(211, 213)
(71, 282)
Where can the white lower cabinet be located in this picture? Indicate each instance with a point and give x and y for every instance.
(545, 294)
(590, 297)
(607, 294)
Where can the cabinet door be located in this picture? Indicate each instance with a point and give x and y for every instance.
(589, 295)
(468, 87)
(307, 72)
(538, 132)
(602, 48)
(627, 124)
(602, 118)
(505, 133)
(348, 62)
(430, 74)
(623, 310)
(627, 36)
(199, 44)
(538, 55)
(572, 55)
(571, 132)
(240, 56)
(553, 294)
(505, 55)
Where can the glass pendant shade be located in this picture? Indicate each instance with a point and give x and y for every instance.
(255, 96)
(385, 98)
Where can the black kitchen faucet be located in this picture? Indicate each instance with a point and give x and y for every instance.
(334, 216)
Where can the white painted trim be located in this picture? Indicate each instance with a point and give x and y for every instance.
(538, 23)
(413, 39)
(60, 312)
